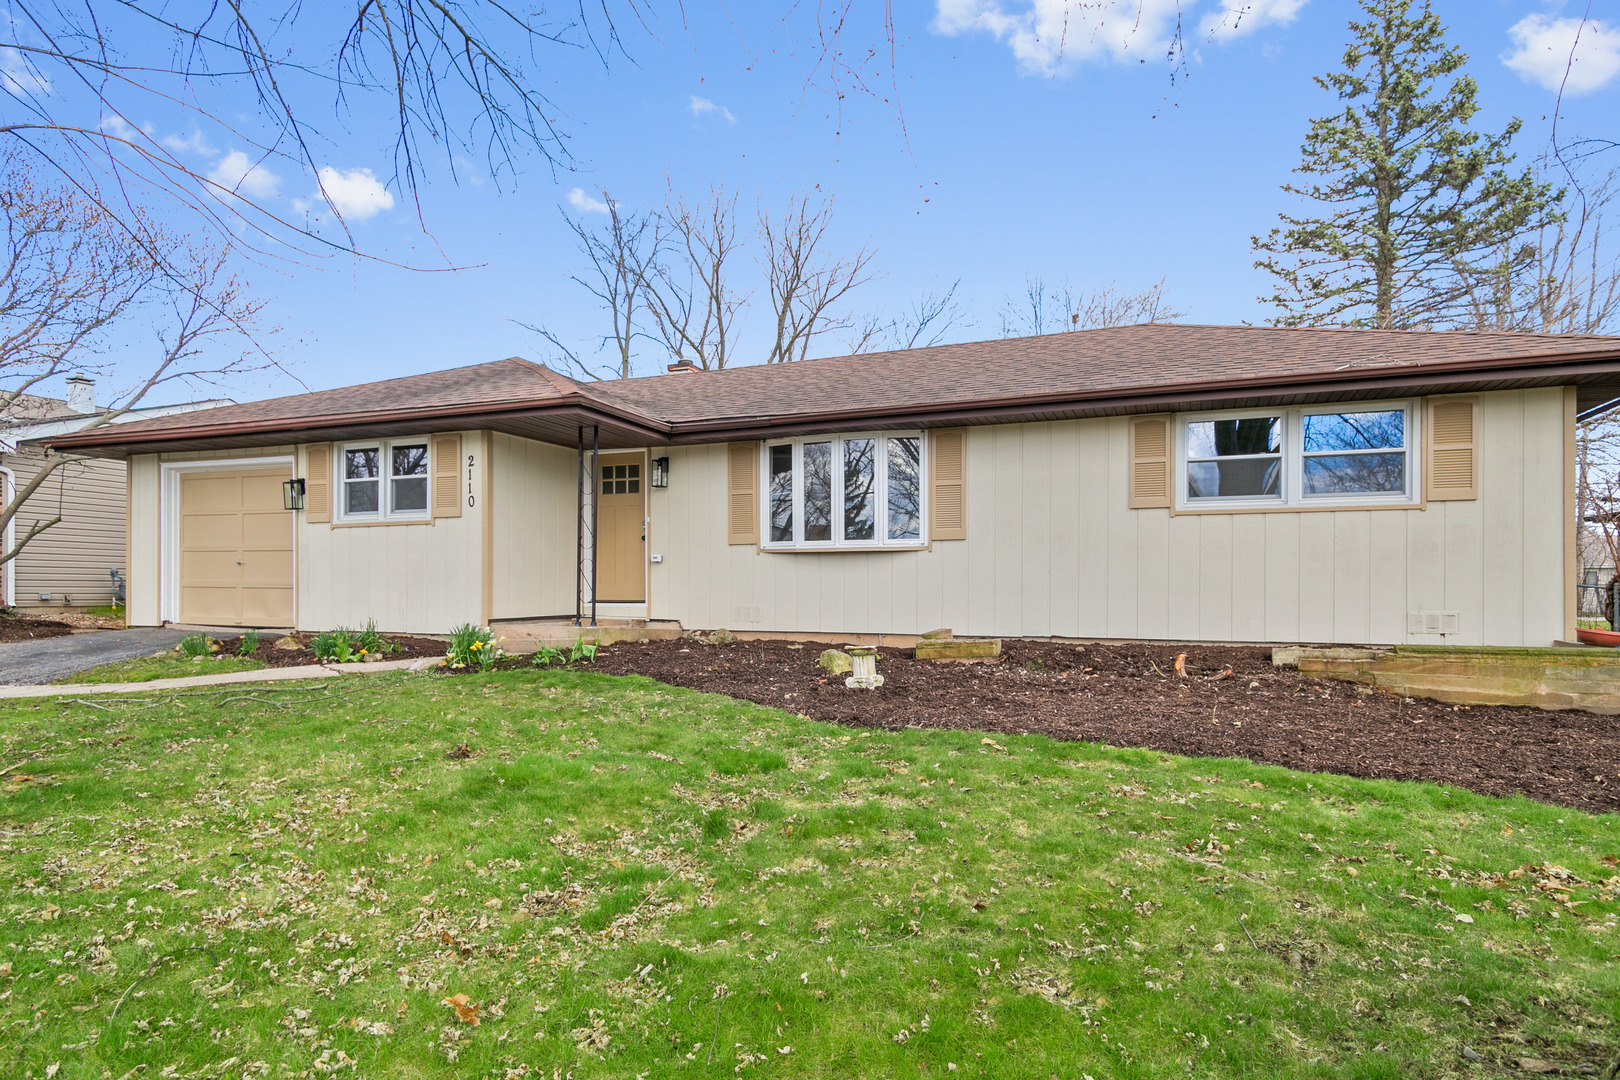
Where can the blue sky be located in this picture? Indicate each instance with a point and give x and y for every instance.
(995, 156)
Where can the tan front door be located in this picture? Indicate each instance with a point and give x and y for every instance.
(621, 572)
(236, 549)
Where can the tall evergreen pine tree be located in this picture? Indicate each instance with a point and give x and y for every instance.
(1416, 203)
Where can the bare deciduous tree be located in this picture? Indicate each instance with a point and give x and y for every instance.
(1047, 309)
(75, 278)
(622, 254)
(925, 323)
(806, 281)
(689, 289)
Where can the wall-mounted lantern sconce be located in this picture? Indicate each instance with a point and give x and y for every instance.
(660, 472)
(292, 494)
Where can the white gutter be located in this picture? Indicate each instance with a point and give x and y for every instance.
(7, 490)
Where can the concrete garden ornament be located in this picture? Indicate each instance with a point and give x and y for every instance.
(864, 659)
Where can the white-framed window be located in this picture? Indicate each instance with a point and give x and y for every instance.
(845, 491)
(384, 480)
(1346, 454)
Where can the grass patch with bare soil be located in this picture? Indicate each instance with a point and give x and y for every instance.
(562, 873)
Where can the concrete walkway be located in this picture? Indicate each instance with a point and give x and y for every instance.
(288, 674)
(47, 659)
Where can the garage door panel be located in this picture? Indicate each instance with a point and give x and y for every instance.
(267, 567)
(236, 549)
(211, 531)
(267, 607)
(262, 492)
(205, 604)
(209, 568)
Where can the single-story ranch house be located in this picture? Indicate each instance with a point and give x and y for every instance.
(1159, 481)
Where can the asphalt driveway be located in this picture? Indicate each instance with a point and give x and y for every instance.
(33, 662)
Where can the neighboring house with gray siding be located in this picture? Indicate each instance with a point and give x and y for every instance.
(1145, 482)
(69, 565)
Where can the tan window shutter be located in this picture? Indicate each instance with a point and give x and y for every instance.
(318, 482)
(1150, 462)
(446, 476)
(742, 493)
(947, 481)
(1453, 441)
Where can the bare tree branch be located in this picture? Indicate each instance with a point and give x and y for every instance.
(689, 287)
(805, 281)
(1055, 309)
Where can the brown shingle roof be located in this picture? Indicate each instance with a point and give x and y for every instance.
(1124, 369)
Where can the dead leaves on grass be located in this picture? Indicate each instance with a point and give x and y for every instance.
(466, 1009)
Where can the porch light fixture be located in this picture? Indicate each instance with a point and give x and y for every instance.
(292, 494)
(660, 472)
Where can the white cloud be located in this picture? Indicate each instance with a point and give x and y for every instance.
(702, 106)
(357, 194)
(19, 76)
(236, 172)
(1235, 18)
(1542, 47)
(585, 204)
(193, 143)
(119, 128)
(1048, 36)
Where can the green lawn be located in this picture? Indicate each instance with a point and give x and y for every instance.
(167, 666)
(628, 880)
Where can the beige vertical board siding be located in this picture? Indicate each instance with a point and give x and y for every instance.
(1387, 576)
(1249, 593)
(1549, 507)
(142, 606)
(1053, 548)
(411, 578)
(1502, 466)
(534, 544)
(1316, 559)
(1281, 576)
(1215, 570)
(72, 557)
(1352, 580)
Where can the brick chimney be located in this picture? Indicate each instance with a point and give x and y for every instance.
(81, 395)
(682, 364)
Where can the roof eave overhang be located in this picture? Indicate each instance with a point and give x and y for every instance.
(1430, 379)
(574, 408)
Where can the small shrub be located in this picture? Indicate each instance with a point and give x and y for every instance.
(195, 645)
(335, 646)
(248, 645)
(370, 643)
(473, 646)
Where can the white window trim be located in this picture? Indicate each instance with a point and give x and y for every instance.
(385, 489)
(880, 524)
(1292, 496)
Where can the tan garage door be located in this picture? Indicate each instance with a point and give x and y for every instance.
(236, 549)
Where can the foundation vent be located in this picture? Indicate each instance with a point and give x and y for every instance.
(1432, 622)
(746, 613)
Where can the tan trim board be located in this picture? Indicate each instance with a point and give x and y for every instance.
(1571, 529)
(378, 524)
(845, 550)
(1335, 509)
(487, 521)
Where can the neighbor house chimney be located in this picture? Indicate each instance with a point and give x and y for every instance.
(682, 364)
(81, 395)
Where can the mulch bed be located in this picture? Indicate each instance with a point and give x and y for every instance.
(29, 628)
(1129, 695)
(410, 648)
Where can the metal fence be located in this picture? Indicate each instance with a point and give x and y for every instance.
(1598, 601)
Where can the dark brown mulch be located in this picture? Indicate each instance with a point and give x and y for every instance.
(1129, 695)
(29, 628)
(410, 648)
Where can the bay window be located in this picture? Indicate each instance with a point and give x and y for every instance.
(1357, 454)
(384, 481)
(839, 491)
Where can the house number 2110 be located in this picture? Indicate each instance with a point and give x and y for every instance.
(470, 500)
